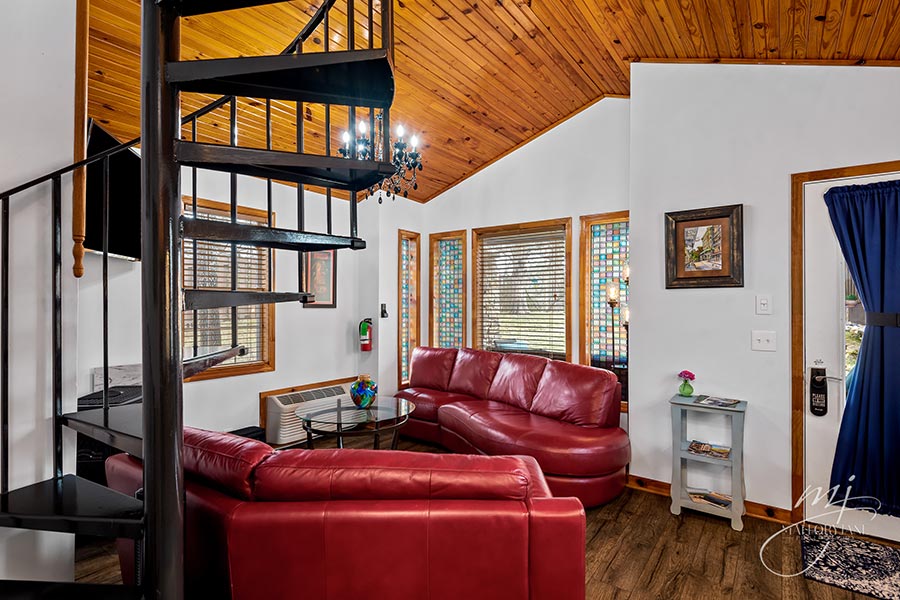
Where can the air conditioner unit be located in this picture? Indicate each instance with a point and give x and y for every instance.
(282, 424)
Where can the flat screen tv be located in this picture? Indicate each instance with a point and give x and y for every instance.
(124, 198)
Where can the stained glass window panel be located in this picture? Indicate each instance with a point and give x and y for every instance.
(408, 337)
(608, 261)
(448, 291)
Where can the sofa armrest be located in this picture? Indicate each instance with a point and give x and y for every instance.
(124, 474)
(321, 475)
(612, 412)
(208, 516)
(556, 549)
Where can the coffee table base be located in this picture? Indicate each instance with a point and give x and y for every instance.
(377, 431)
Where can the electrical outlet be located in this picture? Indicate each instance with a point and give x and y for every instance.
(762, 341)
(764, 304)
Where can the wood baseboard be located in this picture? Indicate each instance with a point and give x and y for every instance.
(754, 509)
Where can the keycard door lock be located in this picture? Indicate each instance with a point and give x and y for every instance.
(818, 392)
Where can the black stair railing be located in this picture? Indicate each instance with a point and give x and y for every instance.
(56, 330)
(320, 18)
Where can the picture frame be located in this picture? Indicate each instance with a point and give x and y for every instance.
(320, 278)
(705, 247)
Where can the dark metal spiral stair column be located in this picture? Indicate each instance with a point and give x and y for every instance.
(163, 576)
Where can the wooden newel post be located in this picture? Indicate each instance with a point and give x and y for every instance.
(78, 223)
(79, 175)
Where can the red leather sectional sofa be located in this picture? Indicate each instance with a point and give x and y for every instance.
(564, 415)
(366, 524)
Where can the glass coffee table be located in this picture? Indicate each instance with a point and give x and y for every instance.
(339, 417)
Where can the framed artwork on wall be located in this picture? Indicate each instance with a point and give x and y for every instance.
(320, 278)
(705, 247)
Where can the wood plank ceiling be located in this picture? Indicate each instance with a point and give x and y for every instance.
(476, 79)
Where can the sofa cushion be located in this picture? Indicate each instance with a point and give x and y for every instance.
(222, 460)
(298, 475)
(517, 379)
(429, 401)
(474, 371)
(576, 394)
(560, 448)
(431, 367)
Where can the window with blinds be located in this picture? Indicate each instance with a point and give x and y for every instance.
(447, 327)
(408, 284)
(207, 265)
(521, 291)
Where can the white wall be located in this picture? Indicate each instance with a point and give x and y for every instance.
(310, 344)
(393, 215)
(708, 135)
(37, 43)
(578, 168)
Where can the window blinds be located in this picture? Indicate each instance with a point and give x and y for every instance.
(209, 330)
(521, 287)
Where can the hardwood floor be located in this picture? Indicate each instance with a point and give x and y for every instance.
(96, 561)
(636, 550)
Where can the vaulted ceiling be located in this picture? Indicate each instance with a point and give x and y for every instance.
(477, 79)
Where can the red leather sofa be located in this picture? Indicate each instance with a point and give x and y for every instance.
(564, 415)
(352, 524)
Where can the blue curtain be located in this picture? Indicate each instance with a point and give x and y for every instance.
(866, 219)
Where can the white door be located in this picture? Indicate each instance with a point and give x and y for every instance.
(826, 320)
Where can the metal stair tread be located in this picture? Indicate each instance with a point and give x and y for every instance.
(123, 429)
(345, 77)
(190, 8)
(201, 299)
(266, 237)
(55, 590)
(197, 364)
(326, 171)
(72, 504)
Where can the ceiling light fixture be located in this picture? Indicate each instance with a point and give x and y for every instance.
(406, 158)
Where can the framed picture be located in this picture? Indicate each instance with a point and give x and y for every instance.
(320, 278)
(705, 247)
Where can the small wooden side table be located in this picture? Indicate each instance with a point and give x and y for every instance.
(681, 406)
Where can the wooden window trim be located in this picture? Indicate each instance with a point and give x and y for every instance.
(587, 221)
(263, 366)
(414, 326)
(530, 227)
(434, 239)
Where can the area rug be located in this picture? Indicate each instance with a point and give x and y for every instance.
(857, 565)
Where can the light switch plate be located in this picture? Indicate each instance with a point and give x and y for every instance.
(763, 304)
(762, 341)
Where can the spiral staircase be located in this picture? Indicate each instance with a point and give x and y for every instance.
(358, 76)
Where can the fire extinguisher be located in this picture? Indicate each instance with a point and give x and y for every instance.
(365, 335)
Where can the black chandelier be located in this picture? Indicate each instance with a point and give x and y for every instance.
(406, 158)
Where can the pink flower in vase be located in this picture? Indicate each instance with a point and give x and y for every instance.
(686, 389)
(687, 375)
